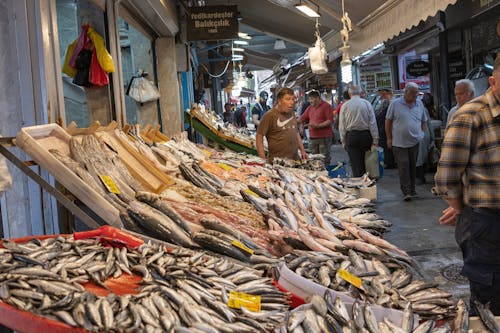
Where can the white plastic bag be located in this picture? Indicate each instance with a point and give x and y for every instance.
(5, 177)
(142, 90)
(371, 163)
(318, 56)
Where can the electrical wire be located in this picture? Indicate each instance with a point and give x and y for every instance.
(218, 75)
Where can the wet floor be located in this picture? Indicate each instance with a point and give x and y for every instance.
(416, 229)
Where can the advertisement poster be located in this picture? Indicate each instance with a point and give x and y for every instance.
(414, 68)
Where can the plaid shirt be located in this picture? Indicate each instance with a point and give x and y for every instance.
(469, 166)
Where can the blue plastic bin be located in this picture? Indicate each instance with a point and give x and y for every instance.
(337, 170)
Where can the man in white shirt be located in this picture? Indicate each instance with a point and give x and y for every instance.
(358, 129)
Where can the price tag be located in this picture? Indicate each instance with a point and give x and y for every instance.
(110, 184)
(352, 279)
(242, 246)
(238, 299)
(207, 153)
(225, 166)
(249, 191)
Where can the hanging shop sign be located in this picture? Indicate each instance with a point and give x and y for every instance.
(418, 68)
(212, 23)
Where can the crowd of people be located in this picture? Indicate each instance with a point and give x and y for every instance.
(468, 173)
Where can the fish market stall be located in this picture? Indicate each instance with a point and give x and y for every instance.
(213, 128)
(74, 284)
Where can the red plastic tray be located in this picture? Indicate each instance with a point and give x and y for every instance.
(27, 322)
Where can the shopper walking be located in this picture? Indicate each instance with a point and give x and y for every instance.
(279, 127)
(468, 178)
(319, 116)
(427, 142)
(358, 129)
(240, 117)
(404, 126)
(386, 97)
(260, 108)
(464, 92)
(228, 113)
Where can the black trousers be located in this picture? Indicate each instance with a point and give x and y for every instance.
(357, 144)
(407, 160)
(478, 235)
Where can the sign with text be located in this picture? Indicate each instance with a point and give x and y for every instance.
(418, 68)
(212, 23)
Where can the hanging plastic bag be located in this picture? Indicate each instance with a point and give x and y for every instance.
(318, 56)
(67, 69)
(142, 90)
(97, 76)
(371, 163)
(105, 59)
(82, 65)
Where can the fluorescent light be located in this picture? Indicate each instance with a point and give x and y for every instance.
(240, 42)
(307, 10)
(238, 49)
(244, 35)
(237, 57)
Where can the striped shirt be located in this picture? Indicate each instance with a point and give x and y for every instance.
(469, 166)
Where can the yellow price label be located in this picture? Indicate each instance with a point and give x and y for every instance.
(207, 153)
(352, 279)
(110, 184)
(249, 191)
(242, 246)
(238, 299)
(225, 166)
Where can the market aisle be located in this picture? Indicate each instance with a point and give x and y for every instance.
(416, 230)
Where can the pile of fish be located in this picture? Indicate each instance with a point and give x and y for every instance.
(330, 314)
(385, 280)
(180, 288)
(314, 162)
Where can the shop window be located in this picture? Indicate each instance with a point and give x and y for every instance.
(137, 58)
(84, 103)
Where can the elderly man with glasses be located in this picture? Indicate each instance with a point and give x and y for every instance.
(405, 124)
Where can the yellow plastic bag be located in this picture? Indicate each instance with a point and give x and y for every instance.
(103, 56)
(67, 69)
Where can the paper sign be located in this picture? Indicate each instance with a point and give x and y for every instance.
(238, 299)
(352, 279)
(242, 246)
(110, 184)
(249, 191)
(225, 166)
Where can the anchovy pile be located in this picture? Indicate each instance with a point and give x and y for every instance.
(386, 281)
(314, 162)
(180, 288)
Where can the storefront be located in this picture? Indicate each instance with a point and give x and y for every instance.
(139, 37)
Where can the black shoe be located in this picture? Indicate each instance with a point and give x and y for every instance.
(413, 195)
(407, 197)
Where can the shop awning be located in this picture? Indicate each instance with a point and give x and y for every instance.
(386, 22)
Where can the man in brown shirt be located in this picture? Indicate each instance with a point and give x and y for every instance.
(279, 126)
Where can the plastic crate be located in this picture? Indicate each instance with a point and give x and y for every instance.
(337, 170)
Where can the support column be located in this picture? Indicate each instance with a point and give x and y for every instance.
(444, 80)
(168, 84)
(393, 60)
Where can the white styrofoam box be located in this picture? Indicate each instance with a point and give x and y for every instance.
(368, 192)
(305, 288)
(476, 325)
(36, 142)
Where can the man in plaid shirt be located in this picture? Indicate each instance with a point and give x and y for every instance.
(468, 178)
